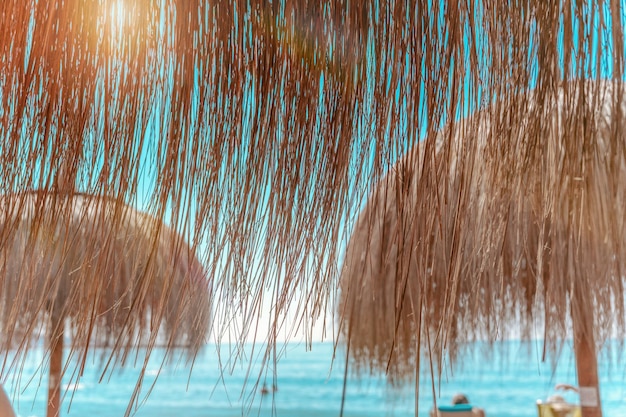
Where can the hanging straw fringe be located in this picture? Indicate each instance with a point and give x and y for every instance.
(257, 129)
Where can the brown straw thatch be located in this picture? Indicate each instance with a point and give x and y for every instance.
(110, 276)
(484, 234)
(273, 119)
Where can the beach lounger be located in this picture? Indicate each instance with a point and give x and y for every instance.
(460, 410)
(452, 414)
(550, 410)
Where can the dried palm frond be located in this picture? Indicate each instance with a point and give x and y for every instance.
(258, 127)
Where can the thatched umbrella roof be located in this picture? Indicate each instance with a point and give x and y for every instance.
(467, 240)
(92, 267)
(272, 118)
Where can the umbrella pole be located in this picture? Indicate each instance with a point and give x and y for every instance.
(586, 359)
(54, 377)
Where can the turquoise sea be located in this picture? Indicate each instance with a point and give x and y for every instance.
(506, 383)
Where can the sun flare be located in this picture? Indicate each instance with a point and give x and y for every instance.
(117, 14)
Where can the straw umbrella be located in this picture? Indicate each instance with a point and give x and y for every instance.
(110, 276)
(273, 116)
(474, 235)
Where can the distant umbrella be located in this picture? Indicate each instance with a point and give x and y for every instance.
(478, 235)
(112, 276)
